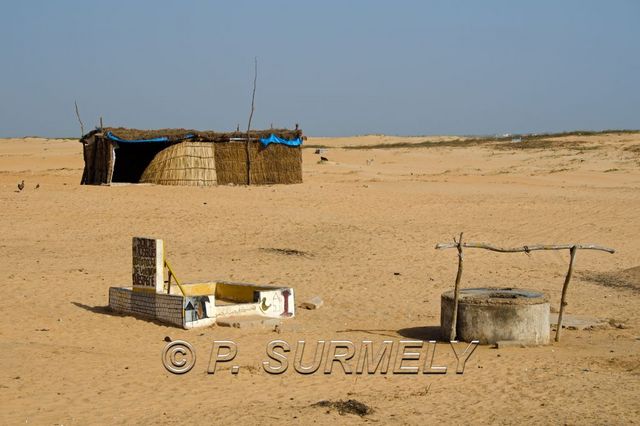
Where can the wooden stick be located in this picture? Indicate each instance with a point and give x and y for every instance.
(527, 249)
(171, 274)
(101, 127)
(253, 97)
(456, 292)
(563, 298)
(78, 115)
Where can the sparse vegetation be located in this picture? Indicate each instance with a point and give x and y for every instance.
(351, 406)
(633, 148)
(455, 143)
(529, 141)
(286, 251)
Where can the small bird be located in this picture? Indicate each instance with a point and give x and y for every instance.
(37, 185)
(21, 186)
(324, 159)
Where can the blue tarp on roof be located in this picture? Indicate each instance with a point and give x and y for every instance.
(271, 139)
(274, 139)
(162, 139)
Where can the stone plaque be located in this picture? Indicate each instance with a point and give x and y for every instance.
(148, 265)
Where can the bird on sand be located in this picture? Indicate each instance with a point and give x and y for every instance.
(324, 159)
(21, 186)
(37, 185)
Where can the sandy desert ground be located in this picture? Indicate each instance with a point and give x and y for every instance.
(369, 230)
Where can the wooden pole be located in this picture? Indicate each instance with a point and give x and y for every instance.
(563, 298)
(253, 97)
(456, 292)
(78, 115)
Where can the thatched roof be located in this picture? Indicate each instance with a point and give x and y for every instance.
(201, 136)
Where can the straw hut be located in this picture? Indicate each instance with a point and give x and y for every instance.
(185, 163)
(189, 157)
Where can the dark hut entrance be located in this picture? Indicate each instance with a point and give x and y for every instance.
(132, 158)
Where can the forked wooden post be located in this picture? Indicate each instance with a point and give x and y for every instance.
(573, 248)
(563, 298)
(456, 291)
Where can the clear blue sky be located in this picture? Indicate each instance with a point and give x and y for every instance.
(336, 67)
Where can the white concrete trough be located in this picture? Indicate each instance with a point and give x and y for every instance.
(493, 314)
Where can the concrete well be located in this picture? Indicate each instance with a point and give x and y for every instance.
(494, 314)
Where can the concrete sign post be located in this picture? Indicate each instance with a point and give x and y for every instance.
(148, 265)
